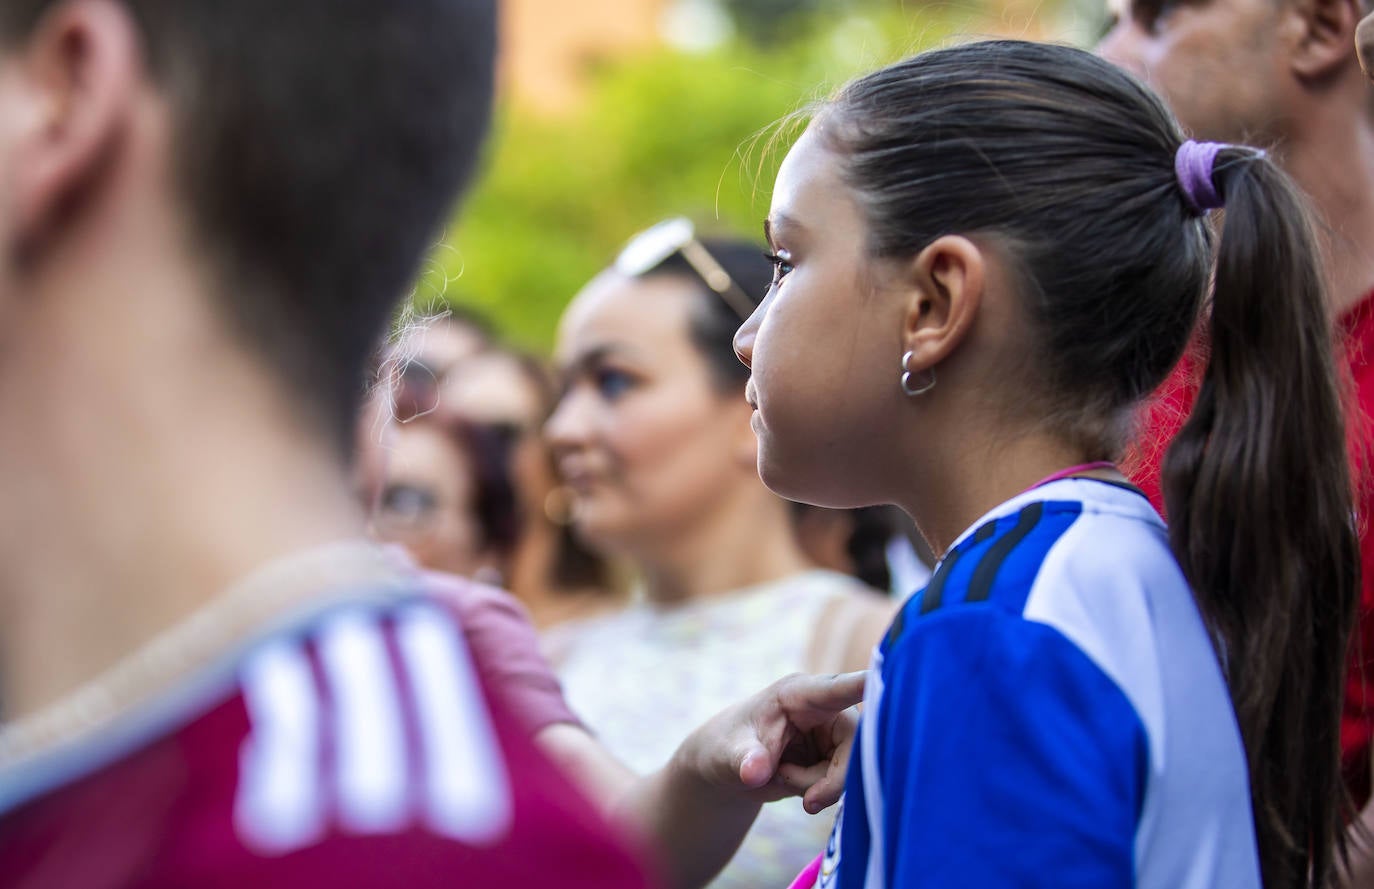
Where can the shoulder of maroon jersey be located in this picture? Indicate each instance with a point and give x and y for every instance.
(192, 696)
(374, 724)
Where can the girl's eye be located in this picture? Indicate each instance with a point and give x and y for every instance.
(781, 267)
(612, 383)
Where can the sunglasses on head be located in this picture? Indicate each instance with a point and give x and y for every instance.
(652, 247)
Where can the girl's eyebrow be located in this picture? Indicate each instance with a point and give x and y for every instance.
(780, 224)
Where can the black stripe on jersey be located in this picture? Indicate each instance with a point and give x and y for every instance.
(931, 600)
(980, 587)
(1125, 486)
(894, 631)
(936, 588)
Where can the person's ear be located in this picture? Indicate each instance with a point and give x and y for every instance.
(79, 69)
(1322, 36)
(945, 281)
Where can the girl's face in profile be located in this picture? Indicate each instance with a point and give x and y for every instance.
(825, 347)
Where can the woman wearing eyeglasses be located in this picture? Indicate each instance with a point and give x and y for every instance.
(448, 497)
(652, 435)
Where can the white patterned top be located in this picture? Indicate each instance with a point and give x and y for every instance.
(643, 678)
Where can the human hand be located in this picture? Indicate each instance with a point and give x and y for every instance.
(792, 738)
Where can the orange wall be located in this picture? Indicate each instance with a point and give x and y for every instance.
(546, 44)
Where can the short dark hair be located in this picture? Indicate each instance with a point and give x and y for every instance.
(1067, 164)
(319, 146)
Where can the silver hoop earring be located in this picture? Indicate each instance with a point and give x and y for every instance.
(907, 376)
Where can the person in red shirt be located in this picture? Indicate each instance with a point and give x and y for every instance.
(369, 739)
(353, 744)
(208, 677)
(1283, 75)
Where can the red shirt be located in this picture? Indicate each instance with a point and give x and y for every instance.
(1164, 416)
(351, 747)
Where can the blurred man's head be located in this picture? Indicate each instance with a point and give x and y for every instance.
(1255, 71)
(303, 153)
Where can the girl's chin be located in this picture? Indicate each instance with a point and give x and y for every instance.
(779, 479)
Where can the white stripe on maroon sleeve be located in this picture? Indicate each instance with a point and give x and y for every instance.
(279, 806)
(467, 794)
(369, 727)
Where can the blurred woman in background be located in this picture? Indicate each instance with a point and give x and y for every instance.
(450, 368)
(448, 498)
(652, 435)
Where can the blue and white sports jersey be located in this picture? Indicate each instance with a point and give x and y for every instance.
(1049, 711)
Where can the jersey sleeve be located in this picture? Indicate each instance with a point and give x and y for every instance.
(1007, 758)
(390, 763)
(505, 648)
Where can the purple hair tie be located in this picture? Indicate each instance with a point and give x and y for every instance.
(1193, 166)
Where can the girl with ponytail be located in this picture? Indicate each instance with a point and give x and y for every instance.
(986, 257)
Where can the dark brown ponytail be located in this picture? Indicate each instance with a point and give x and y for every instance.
(1259, 497)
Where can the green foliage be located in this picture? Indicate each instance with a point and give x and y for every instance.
(658, 135)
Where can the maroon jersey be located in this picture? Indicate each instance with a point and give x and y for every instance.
(352, 747)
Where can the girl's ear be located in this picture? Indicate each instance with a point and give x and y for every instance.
(946, 282)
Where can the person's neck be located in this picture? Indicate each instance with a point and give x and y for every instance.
(552, 608)
(748, 541)
(951, 494)
(146, 466)
(532, 582)
(1332, 160)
